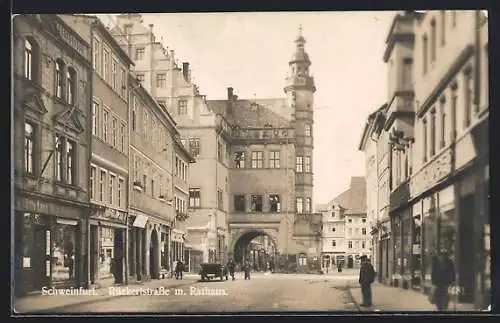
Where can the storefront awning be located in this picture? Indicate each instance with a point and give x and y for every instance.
(140, 221)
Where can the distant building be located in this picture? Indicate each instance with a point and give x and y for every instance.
(333, 237)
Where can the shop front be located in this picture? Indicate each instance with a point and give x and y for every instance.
(136, 242)
(48, 244)
(177, 245)
(107, 245)
(386, 253)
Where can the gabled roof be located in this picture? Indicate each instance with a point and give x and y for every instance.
(254, 113)
(354, 199)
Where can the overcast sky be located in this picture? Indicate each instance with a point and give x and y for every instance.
(250, 52)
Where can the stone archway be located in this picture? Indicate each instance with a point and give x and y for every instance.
(240, 248)
(153, 255)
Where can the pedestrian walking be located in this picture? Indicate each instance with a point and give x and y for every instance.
(179, 268)
(443, 275)
(339, 267)
(247, 268)
(230, 268)
(366, 278)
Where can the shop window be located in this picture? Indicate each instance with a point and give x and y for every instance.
(302, 260)
(396, 229)
(106, 252)
(430, 244)
(63, 252)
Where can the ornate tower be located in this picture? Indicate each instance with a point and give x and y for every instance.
(299, 89)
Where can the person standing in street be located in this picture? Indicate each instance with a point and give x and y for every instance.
(230, 268)
(443, 275)
(366, 278)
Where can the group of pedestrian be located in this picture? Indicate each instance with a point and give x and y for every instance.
(442, 277)
(246, 267)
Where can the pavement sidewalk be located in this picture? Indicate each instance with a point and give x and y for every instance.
(47, 303)
(386, 298)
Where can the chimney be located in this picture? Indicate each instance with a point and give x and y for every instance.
(229, 93)
(185, 71)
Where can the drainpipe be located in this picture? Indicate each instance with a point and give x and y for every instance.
(87, 224)
(477, 60)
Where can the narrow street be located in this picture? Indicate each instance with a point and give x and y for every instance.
(271, 292)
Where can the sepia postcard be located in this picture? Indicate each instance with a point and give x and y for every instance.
(258, 162)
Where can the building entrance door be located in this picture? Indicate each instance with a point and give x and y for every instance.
(466, 249)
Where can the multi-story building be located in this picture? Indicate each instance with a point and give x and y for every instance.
(156, 68)
(109, 162)
(159, 169)
(333, 244)
(377, 196)
(357, 239)
(449, 184)
(346, 230)
(438, 162)
(52, 94)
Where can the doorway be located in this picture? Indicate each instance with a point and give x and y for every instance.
(39, 270)
(118, 255)
(94, 253)
(153, 255)
(350, 262)
(466, 249)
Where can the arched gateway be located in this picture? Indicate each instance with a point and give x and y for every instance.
(261, 254)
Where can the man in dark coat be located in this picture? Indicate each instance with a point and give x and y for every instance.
(179, 268)
(366, 278)
(443, 275)
(247, 267)
(230, 268)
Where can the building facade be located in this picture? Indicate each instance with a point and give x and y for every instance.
(437, 135)
(52, 94)
(109, 162)
(449, 186)
(333, 239)
(206, 201)
(260, 155)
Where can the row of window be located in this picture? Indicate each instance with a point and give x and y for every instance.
(180, 204)
(303, 205)
(66, 80)
(109, 127)
(357, 244)
(107, 187)
(430, 144)
(302, 163)
(152, 130)
(181, 169)
(64, 154)
(107, 65)
(149, 179)
(432, 51)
